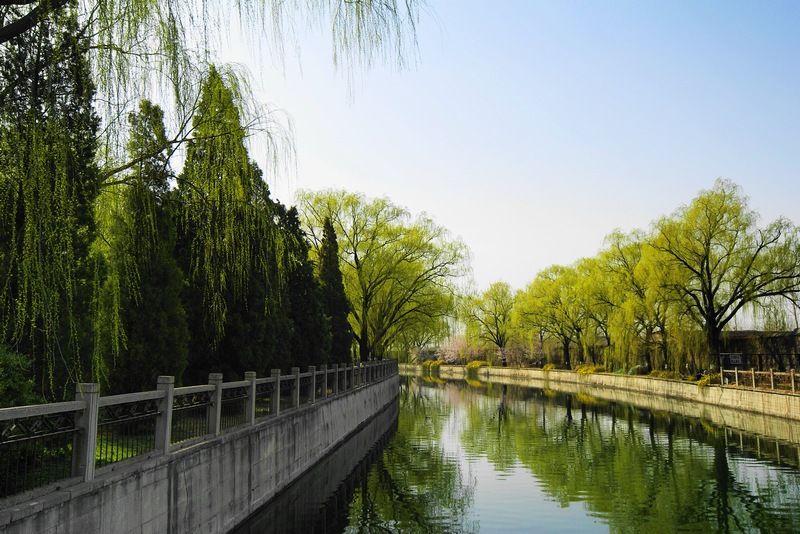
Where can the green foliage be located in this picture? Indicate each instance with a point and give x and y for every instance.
(48, 185)
(310, 339)
(549, 367)
(85, 305)
(17, 387)
(337, 308)
(398, 273)
(662, 300)
(552, 304)
(144, 284)
(489, 314)
(709, 379)
(477, 364)
(587, 369)
(722, 261)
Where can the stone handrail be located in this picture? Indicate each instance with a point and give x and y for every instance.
(92, 424)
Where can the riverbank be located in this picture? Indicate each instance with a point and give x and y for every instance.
(727, 406)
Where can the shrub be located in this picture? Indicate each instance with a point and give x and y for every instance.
(712, 378)
(548, 367)
(430, 364)
(476, 364)
(16, 385)
(587, 369)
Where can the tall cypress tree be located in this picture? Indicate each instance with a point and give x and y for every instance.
(229, 245)
(153, 319)
(310, 338)
(335, 303)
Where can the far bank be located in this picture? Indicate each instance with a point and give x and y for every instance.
(728, 406)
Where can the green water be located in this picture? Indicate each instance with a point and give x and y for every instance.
(508, 459)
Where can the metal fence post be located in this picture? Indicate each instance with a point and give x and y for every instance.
(164, 417)
(215, 410)
(275, 400)
(312, 389)
(296, 396)
(250, 411)
(83, 449)
(736, 375)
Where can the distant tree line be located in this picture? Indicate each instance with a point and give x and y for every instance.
(661, 299)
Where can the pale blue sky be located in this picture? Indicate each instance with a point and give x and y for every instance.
(532, 129)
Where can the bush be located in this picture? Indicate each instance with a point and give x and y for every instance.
(430, 364)
(587, 369)
(16, 385)
(476, 364)
(709, 379)
(548, 367)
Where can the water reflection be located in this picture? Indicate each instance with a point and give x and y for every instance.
(495, 458)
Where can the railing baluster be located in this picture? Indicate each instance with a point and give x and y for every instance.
(275, 401)
(164, 417)
(312, 388)
(215, 410)
(86, 440)
(250, 413)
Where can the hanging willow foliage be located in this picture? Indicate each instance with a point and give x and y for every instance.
(55, 160)
(49, 181)
(222, 194)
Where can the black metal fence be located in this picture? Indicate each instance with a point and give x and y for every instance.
(67, 442)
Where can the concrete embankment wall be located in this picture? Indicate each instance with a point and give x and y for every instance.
(734, 407)
(323, 483)
(212, 486)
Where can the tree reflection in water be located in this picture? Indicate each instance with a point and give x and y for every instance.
(484, 457)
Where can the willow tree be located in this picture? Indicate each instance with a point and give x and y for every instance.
(229, 237)
(551, 304)
(489, 315)
(725, 260)
(48, 185)
(137, 45)
(397, 270)
(641, 310)
(132, 49)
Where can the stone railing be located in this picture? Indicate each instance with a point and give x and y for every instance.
(62, 443)
(764, 380)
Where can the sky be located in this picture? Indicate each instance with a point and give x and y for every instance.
(532, 129)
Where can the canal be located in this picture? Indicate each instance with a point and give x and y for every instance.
(474, 457)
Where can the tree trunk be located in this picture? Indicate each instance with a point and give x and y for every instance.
(712, 338)
(565, 349)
